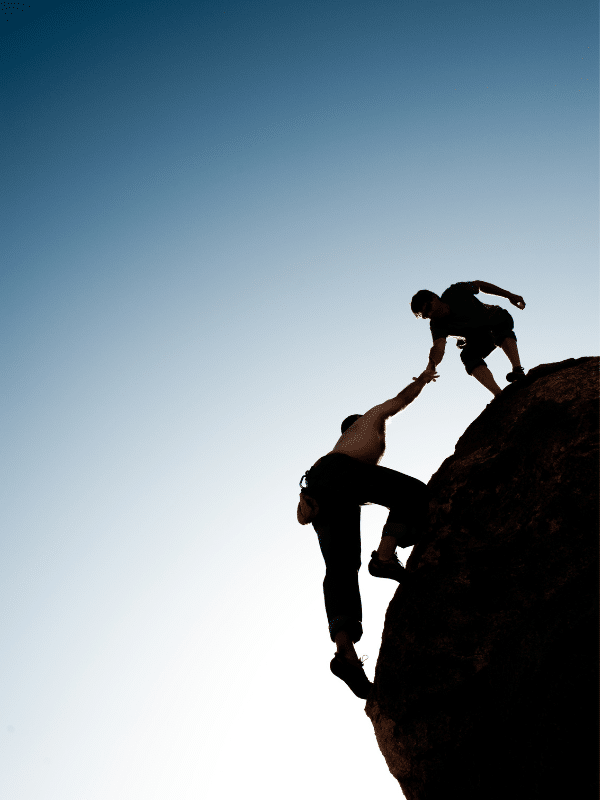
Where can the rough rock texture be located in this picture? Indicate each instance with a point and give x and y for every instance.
(487, 682)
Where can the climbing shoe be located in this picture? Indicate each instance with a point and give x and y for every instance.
(353, 674)
(516, 374)
(386, 569)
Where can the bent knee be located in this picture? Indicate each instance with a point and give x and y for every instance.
(471, 362)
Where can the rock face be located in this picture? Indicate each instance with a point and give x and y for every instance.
(486, 683)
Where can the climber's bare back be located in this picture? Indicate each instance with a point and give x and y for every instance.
(364, 440)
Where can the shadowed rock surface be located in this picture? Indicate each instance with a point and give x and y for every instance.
(486, 683)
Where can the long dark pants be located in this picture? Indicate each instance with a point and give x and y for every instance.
(341, 484)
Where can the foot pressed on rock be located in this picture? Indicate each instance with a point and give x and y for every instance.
(352, 673)
(516, 374)
(386, 569)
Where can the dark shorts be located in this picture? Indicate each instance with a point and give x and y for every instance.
(483, 341)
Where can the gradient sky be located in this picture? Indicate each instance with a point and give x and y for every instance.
(214, 217)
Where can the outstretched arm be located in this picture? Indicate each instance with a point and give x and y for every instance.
(436, 354)
(489, 288)
(405, 397)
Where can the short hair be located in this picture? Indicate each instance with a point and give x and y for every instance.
(419, 300)
(349, 421)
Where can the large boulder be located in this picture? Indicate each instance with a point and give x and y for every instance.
(486, 683)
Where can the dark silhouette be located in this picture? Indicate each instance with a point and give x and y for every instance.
(336, 486)
(481, 328)
(487, 678)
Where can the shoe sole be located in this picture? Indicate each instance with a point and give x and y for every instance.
(397, 576)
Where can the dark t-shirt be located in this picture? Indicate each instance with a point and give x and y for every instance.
(466, 312)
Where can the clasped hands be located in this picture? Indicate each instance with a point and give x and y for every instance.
(428, 374)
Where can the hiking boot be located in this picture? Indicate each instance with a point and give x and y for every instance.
(353, 674)
(386, 569)
(515, 375)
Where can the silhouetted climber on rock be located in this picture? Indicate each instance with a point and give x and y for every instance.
(481, 328)
(336, 487)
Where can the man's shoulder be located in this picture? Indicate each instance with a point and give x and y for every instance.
(370, 417)
(461, 288)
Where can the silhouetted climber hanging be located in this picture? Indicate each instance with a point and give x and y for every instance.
(481, 328)
(336, 487)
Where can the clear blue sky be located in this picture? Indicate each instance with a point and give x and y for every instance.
(214, 217)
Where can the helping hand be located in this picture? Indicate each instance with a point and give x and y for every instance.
(517, 301)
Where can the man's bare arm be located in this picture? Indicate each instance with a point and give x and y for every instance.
(436, 354)
(489, 288)
(404, 398)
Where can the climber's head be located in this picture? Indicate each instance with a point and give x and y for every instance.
(349, 421)
(422, 303)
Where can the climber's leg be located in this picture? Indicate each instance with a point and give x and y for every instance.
(485, 378)
(509, 346)
(387, 547)
(345, 646)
